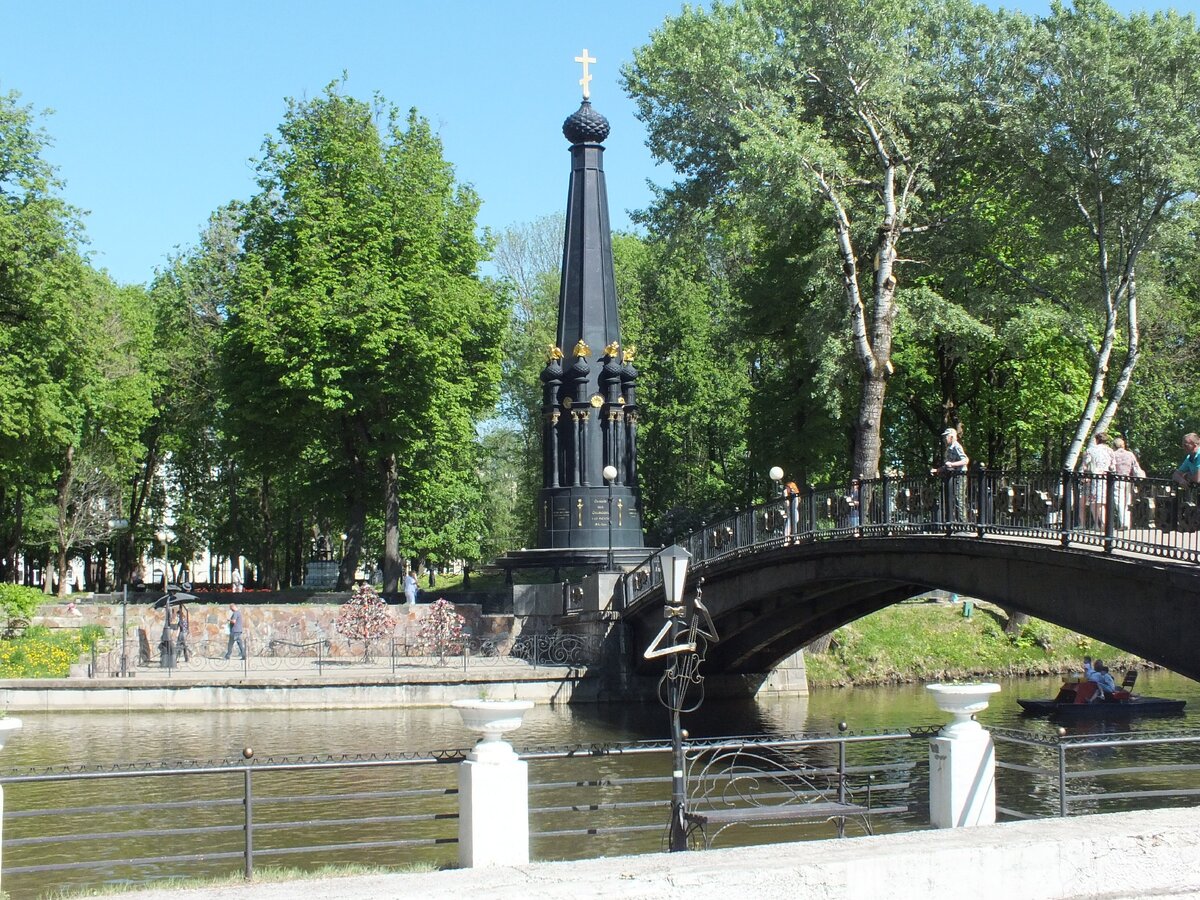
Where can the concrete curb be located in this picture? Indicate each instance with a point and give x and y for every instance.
(1153, 853)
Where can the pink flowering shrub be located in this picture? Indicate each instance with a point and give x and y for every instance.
(364, 617)
(441, 632)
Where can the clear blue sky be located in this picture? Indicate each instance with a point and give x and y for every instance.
(160, 106)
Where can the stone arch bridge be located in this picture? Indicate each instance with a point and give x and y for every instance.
(1112, 558)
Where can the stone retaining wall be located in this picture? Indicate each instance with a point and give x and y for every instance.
(297, 623)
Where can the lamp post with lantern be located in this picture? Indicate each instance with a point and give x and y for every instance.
(610, 475)
(685, 644)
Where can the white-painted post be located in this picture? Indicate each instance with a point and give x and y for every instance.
(493, 808)
(962, 760)
(493, 788)
(8, 726)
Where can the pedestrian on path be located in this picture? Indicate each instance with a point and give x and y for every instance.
(183, 621)
(410, 588)
(235, 632)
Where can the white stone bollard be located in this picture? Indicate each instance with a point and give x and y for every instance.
(8, 726)
(493, 788)
(962, 760)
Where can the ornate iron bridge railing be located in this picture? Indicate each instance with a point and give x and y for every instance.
(1142, 516)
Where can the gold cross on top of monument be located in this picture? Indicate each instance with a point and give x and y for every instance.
(586, 79)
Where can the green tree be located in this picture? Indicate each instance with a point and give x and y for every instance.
(833, 103)
(1106, 119)
(363, 343)
(38, 265)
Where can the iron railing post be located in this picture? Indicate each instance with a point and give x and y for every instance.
(1062, 780)
(1068, 510)
(1110, 503)
(842, 786)
(248, 803)
(887, 504)
(862, 510)
(811, 491)
(981, 509)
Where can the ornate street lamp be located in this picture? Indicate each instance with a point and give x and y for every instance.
(776, 474)
(674, 562)
(610, 475)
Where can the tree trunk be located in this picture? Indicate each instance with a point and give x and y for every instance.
(867, 444)
(127, 556)
(63, 495)
(821, 644)
(1133, 334)
(1016, 621)
(391, 525)
(266, 565)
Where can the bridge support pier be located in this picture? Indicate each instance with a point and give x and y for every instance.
(788, 679)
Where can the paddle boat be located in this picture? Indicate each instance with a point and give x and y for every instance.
(1084, 698)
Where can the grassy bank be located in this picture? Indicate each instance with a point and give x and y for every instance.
(932, 640)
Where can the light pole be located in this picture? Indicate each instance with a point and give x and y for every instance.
(166, 650)
(164, 538)
(116, 525)
(674, 561)
(610, 475)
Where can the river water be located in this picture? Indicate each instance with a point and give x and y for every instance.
(107, 738)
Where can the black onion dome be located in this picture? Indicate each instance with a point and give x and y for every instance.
(611, 370)
(585, 125)
(553, 371)
(580, 369)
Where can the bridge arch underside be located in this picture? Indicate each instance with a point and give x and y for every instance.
(769, 604)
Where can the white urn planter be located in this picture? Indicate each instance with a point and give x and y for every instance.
(492, 718)
(962, 701)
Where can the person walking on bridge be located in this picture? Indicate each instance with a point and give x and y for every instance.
(954, 470)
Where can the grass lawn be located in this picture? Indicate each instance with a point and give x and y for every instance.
(928, 640)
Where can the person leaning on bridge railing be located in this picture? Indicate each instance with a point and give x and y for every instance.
(954, 468)
(1188, 472)
(1186, 516)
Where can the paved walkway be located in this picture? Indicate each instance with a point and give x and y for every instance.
(1124, 855)
(299, 683)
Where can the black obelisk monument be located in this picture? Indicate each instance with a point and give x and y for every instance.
(589, 400)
